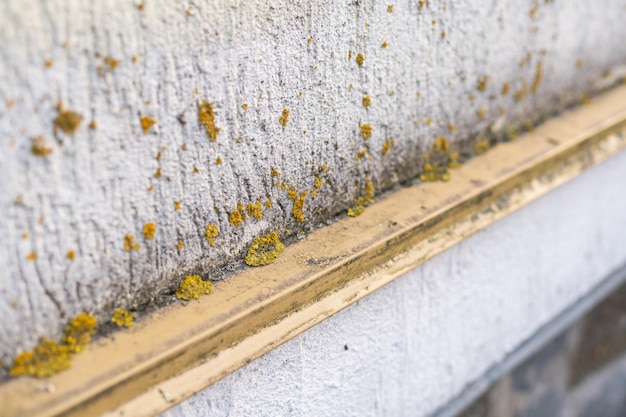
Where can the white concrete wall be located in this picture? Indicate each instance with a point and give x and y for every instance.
(97, 185)
(418, 342)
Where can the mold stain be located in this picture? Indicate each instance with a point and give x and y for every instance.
(123, 318)
(206, 117)
(264, 250)
(193, 287)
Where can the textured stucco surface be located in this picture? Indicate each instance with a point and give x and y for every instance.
(97, 185)
(418, 342)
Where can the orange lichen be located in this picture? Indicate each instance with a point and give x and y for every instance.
(218, 161)
(363, 201)
(149, 230)
(32, 255)
(367, 101)
(244, 106)
(71, 255)
(146, 123)
(264, 250)
(255, 210)
(236, 217)
(78, 333)
(123, 318)
(481, 146)
(43, 361)
(366, 131)
(130, 244)
(180, 244)
(360, 59)
(284, 118)
(39, 146)
(481, 84)
(298, 207)
(67, 121)
(206, 117)
(192, 287)
(48, 63)
(390, 8)
(112, 63)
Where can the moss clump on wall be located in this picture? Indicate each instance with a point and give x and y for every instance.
(264, 250)
(192, 287)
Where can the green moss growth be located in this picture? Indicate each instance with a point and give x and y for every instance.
(206, 117)
(211, 232)
(123, 318)
(264, 250)
(192, 287)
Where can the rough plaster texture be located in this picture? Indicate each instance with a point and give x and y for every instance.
(418, 342)
(116, 63)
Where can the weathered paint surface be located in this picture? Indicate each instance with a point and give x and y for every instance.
(409, 348)
(176, 114)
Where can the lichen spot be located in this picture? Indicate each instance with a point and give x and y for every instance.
(298, 207)
(211, 232)
(255, 210)
(384, 45)
(93, 125)
(505, 88)
(71, 255)
(146, 123)
(284, 117)
(157, 173)
(244, 106)
(32, 256)
(538, 78)
(387, 146)
(480, 113)
(78, 333)
(43, 361)
(67, 121)
(360, 59)
(218, 161)
(390, 8)
(192, 287)
(236, 217)
(366, 131)
(363, 201)
(180, 244)
(264, 250)
(481, 84)
(206, 117)
(268, 203)
(48, 63)
(112, 63)
(481, 146)
(367, 101)
(123, 318)
(39, 147)
(130, 244)
(149, 230)
(177, 205)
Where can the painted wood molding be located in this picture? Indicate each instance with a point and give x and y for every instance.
(183, 348)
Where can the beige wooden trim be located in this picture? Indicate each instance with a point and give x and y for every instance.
(181, 349)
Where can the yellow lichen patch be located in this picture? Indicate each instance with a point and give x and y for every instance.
(236, 217)
(362, 154)
(39, 147)
(71, 255)
(268, 203)
(366, 131)
(180, 244)
(318, 182)
(292, 194)
(363, 201)
(244, 106)
(192, 287)
(78, 333)
(255, 210)
(435, 172)
(349, 55)
(298, 207)
(264, 250)
(538, 77)
(146, 123)
(284, 117)
(481, 146)
(157, 173)
(177, 205)
(218, 161)
(452, 128)
(93, 125)
(384, 45)
(123, 318)
(429, 121)
(505, 88)
(274, 172)
(521, 93)
(112, 63)
(32, 255)
(390, 8)
(441, 145)
(481, 84)
(67, 121)
(453, 160)
(149, 230)
(129, 243)
(206, 117)
(367, 101)
(360, 59)
(480, 113)
(387, 146)
(43, 361)
(48, 63)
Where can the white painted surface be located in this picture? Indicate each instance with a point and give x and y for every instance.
(416, 343)
(93, 188)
